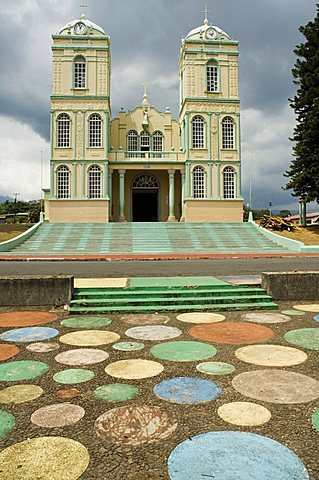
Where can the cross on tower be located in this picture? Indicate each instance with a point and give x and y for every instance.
(206, 12)
(145, 85)
(83, 6)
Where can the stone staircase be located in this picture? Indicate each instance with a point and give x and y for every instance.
(148, 238)
(170, 295)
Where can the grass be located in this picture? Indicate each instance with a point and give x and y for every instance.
(11, 230)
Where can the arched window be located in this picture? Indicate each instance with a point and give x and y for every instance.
(132, 143)
(212, 76)
(95, 130)
(198, 136)
(228, 131)
(145, 181)
(95, 177)
(63, 182)
(63, 130)
(79, 72)
(198, 182)
(229, 182)
(145, 142)
(158, 143)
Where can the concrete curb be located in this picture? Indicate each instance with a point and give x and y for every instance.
(31, 291)
(292, 245)
(14, 242)
(291, 285)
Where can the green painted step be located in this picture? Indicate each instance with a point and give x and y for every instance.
(175, 308)
(171, 300)
(131, 294)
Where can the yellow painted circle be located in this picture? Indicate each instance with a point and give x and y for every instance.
(134, 369)
(245, 414)
(314, 307)
(200, 317)
(46, 458)
(20, 394)
(271, 355)
(89, 338)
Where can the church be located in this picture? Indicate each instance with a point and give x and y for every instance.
(143, 165)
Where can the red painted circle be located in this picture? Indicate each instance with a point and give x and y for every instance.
(231, 333)
(26, 319)
(68, 393)
(8, 351)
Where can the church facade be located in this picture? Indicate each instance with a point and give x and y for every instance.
(144, 165)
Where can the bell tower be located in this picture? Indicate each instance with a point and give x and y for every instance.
(80, 119)
(210, 124)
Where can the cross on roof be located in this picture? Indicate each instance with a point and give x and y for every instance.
(206, 12)
(145, 85)
(83, 6)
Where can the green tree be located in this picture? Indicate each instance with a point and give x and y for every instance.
(284, 213)
(303, 173)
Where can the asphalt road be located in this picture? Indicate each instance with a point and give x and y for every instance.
(164, 268)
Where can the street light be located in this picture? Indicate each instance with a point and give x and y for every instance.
(270, 204)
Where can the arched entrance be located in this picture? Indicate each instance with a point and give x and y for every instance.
(145, 198)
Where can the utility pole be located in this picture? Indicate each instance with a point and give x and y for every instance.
(15, 204)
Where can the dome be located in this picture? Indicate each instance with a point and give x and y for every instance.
(215, 33)
(96, 29)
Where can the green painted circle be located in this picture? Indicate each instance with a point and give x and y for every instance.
(128, 346)
(86, 322)
(292, 312)
(73, 375)
(116, 392)
(304, 337)
(7, 422)
(22, 370)
(315, 419)
(183, 351)
(215, 368)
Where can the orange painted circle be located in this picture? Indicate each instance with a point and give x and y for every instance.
(8, 351)
(26, 319)
(231, 333)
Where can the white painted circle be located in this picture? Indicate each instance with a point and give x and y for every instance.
(314, 307)
(271, 355)
(203, 317)
(82, 356)
(246, 414)
(153, 332)
(89, 338)
(265, 317)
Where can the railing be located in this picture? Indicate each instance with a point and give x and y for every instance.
(122, 155)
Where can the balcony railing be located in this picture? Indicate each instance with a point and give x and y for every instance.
(122, 155)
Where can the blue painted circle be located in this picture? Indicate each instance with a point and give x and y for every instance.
(240, 454)
(316, 317)
(29, 334)
(187, 390)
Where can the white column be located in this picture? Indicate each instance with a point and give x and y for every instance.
(171, 177)
(122, 195)
(182, 219)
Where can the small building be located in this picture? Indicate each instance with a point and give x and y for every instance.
(143, 165)
(311, 218)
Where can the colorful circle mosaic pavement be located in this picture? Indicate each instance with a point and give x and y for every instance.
(29, 334)
(277, 386)
(265, 317)
(45, 458)
(210, 455)
(315, 419)
(86, 322)
(187, 390)
(116, 392)
(17, 394)
(271, 355)
(153, 332)
(89, 338)
(313, 307)
(134, 369)
(304, 337)
(7, 423)
(22, 370)
(199, 317)
(73, 375)
(145, 319)
(26, 319)
(244, 414)
(128, 346)
(215, 368)
(57, 415)
(231, 333)
(82, 356)
(183, 351)
(8, 351)
(135, 425)
(41, 347)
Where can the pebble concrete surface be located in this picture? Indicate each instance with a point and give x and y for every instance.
(160, 397)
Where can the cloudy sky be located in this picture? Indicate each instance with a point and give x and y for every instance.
(145, 39)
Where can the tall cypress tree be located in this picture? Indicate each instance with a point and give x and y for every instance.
(304, 169)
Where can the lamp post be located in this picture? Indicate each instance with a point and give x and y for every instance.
(270, 204)
(15, 204)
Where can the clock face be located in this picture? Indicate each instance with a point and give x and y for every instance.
(80, 28)
(210, 33)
